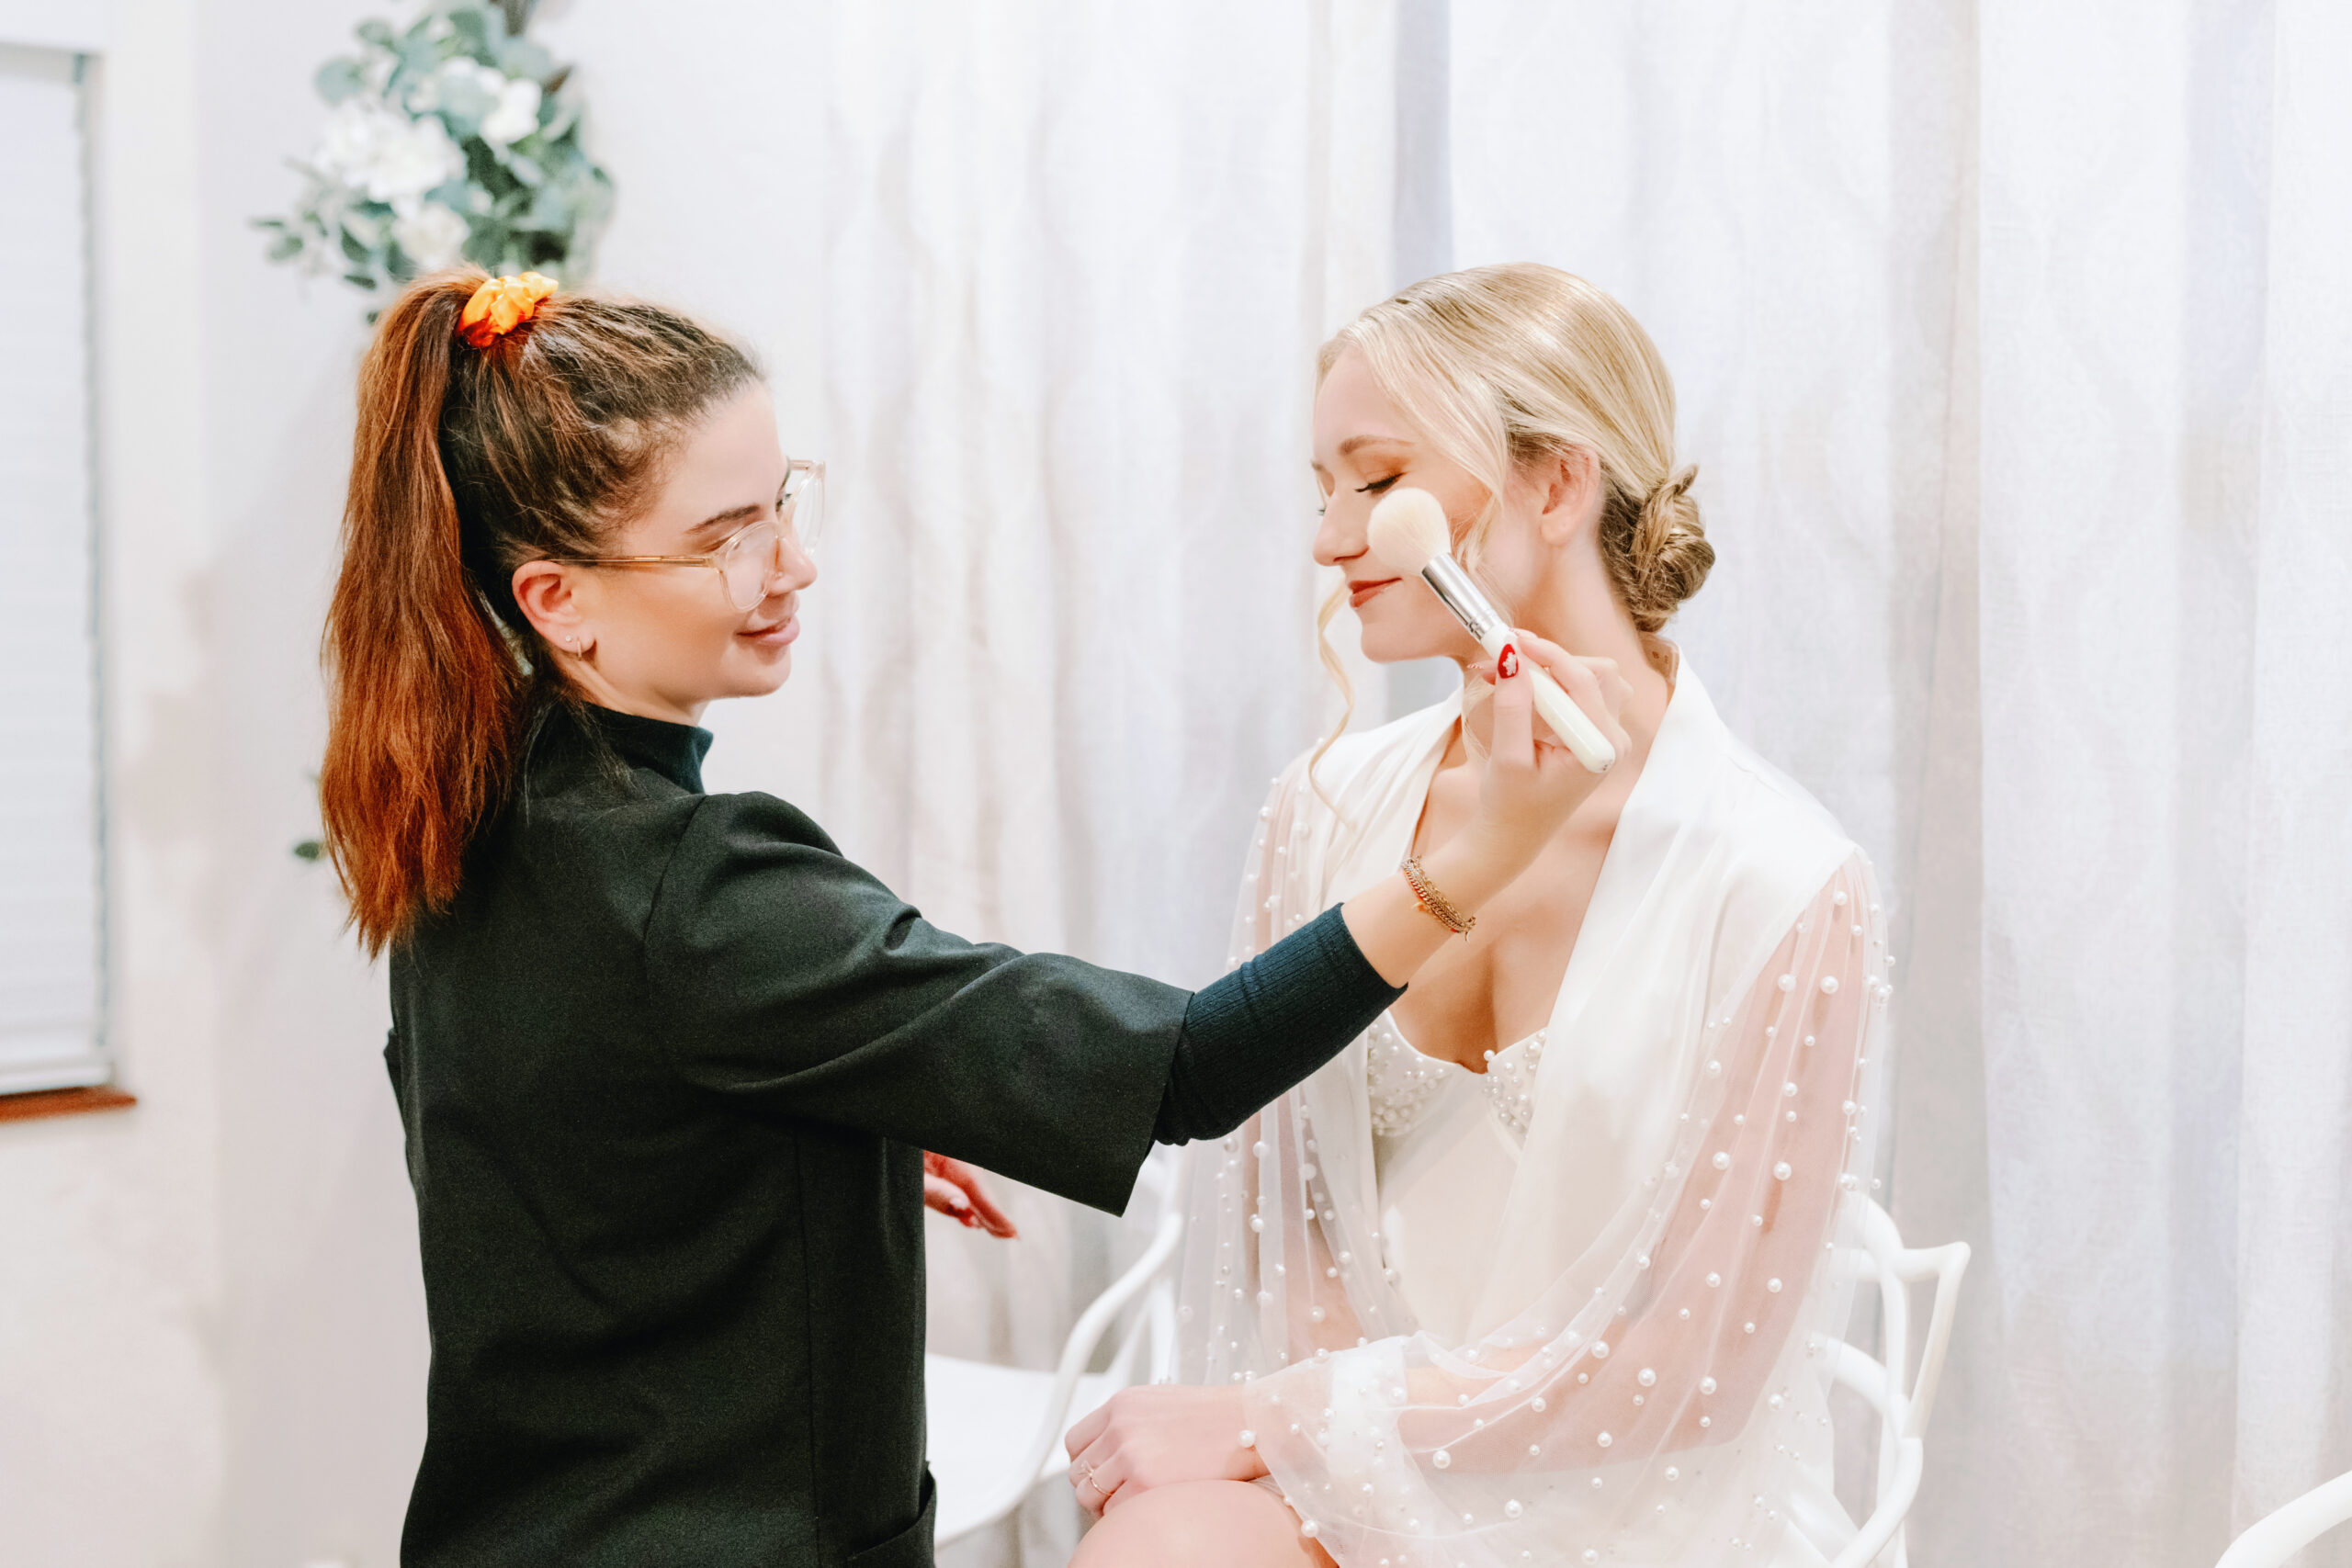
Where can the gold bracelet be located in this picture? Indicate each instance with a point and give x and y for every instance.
(1433, 903)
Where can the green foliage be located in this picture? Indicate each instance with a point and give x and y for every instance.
(454, 138)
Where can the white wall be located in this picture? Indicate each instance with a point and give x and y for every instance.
(111, 1296)
(211, 1336)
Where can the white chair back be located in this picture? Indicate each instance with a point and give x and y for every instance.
(1035, 1412)
(1902, 1411)
(2271, 1540)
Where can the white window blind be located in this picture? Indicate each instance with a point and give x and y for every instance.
(50, 945)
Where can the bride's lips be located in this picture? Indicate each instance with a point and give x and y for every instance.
(1360, 593)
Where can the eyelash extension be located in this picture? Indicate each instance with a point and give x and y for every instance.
(1377, 486)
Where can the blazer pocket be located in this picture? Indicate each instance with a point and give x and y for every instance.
(911, 1547)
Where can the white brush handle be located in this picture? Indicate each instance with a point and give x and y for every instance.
(1482, 620)
(1571, 723)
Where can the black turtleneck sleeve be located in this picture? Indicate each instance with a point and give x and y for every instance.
(790, 976)
(1250, 1036)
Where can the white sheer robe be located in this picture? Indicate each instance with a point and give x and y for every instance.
(1566, 1311)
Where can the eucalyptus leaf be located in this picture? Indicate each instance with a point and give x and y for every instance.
(560, 116)
(338, 79)
(550, 210)
(485, 245)
(286, 247)
(377, 32)
(473, 31)
(525, 57)
(465, 101)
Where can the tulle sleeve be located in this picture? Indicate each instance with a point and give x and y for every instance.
(1605, 1417)
(1273, 1276)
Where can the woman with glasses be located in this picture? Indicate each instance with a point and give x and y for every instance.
(666, 1061)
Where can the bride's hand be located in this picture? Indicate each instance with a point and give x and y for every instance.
(1158, 1436)
(1532, 783)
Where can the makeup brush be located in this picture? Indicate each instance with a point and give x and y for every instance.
(1408, 530)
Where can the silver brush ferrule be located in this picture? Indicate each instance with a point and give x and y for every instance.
(1458, 594)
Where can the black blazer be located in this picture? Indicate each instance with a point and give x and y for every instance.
(667, 1066)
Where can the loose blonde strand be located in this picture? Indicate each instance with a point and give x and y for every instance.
(1332, 667)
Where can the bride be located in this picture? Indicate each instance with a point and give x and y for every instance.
(1535, 1271)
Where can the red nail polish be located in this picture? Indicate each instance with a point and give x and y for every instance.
(1506, 661)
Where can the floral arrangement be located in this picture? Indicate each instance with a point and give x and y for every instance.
(456, 140)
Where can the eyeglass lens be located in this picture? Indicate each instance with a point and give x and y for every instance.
(756, 556)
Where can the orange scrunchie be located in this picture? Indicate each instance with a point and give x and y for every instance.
(501, 305)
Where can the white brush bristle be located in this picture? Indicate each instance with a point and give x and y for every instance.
(1408, 530)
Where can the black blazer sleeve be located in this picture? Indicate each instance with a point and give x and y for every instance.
(791, 978)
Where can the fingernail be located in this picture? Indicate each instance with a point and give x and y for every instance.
(1506, 661)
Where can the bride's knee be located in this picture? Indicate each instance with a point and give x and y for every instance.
(1228, 1523)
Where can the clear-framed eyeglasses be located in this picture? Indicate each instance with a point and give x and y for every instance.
(752, 556)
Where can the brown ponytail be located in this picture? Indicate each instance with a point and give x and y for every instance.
(468, 462)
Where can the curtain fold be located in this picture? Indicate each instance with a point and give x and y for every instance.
(2294, 1172)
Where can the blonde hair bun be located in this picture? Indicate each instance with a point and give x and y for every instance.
(1665, 559)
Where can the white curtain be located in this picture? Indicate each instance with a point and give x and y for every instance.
(2166, 405)
(2016, 335)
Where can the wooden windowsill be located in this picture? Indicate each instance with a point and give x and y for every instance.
(63, 1103)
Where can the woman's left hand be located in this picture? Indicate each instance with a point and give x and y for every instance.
(954, 1188)
(1158, 1436)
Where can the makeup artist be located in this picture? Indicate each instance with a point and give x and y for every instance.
(667, 1062)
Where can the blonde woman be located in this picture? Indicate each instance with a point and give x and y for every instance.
(1532, 1273)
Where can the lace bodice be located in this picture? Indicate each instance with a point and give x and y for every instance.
(1402, 1083)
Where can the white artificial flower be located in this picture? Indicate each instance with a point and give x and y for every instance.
(516, 116)
(391, 157)
(355, 129)
(416, 157)
(464, 72)
(430, 235)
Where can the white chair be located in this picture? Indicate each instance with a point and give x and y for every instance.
(2271, 1540)
(1902, 1413)
(996, 1432)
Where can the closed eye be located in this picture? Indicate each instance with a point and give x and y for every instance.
(1378, 486)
